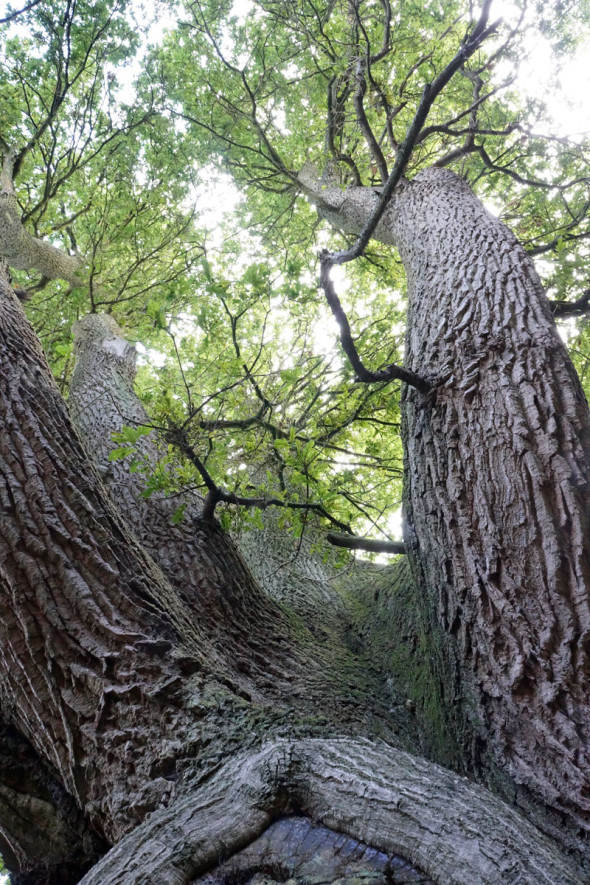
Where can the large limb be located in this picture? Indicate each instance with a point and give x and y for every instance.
(456, 832)
(290, 572)
(103, 401)
(96, 647)
(18, 247)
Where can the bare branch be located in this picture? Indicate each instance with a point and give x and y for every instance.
(429, 95)
(11, 16)
(389, 373)
(530, 182)
(334, 127)
(571, 308)
(328, 259)
(353, 542)
(363, 123)
(216, 495)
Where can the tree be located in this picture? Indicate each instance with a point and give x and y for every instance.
(169, 688)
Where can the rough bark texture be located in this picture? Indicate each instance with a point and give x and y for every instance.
(295, 850)
(456, 832)
(88, 621)
(498, 486)
(23, 251)
(315, 651)
(182, 710)
(104, 667)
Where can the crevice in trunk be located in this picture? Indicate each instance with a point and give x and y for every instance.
(45, 838)
(297, 851)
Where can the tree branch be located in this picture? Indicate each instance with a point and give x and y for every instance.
(11, 16)
(328, 259)
(216, 495)
(353, 542)
(363, 123)
(389, 373)
(571, 308)
(429, 95)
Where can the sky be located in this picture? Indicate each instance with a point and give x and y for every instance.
(566, 89)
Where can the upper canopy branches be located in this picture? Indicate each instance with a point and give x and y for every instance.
(112, 168)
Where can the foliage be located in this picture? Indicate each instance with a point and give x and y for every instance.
(134, 140)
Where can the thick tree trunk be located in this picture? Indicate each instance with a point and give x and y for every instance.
(497, 487)
(250, 624)
(109, 669)
(457, 833)
(89, 623)
(102, 402)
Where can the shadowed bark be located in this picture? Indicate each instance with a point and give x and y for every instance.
(42, 831)
(183, 710)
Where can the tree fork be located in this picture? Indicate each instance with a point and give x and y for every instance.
(388, 799)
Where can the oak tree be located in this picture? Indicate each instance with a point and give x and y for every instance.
(195, 681)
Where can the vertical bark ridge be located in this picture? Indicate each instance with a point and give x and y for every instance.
(249, 630)
(91, 634)
(499, 485)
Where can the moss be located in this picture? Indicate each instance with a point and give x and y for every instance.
(388, 614)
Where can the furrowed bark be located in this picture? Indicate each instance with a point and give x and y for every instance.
(247, 619)
(106, 669)
(195, 555)
(453, 830)
(95, 646)
(497, 489)
(251, 633)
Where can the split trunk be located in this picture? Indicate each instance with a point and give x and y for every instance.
(164, 701)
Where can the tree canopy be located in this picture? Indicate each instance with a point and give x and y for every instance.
(166, 154)
(226, 184)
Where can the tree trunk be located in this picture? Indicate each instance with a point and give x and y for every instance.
(114, 669)
(497, 494)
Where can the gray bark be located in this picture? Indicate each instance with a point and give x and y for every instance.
(23, 251)
(497, 486)
(102, 401)
(88, 620)
(453, 830)
(108, 670)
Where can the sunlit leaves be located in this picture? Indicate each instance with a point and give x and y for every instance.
(218, 285)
